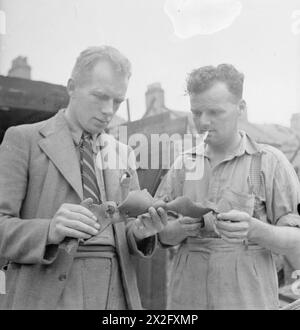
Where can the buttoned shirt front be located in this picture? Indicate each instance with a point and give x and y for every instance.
(208, 272)
(229, 182)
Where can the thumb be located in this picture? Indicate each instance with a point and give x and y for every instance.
(87, 202)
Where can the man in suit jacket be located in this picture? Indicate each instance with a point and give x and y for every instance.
(40, 194)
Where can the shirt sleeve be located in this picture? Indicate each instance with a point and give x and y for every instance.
(282, 189)
(22, 240)
(146, 247)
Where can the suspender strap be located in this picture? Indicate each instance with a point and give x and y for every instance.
(254, 175)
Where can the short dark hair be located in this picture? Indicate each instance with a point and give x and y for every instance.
(201, 79)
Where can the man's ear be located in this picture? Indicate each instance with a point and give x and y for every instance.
(242, 108)
(70, 86)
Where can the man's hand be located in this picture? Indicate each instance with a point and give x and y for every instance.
(234, 226)
(72, 220)
(151, 223)
(178, 229)
(190, 226)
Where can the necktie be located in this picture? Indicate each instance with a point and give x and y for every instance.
(89, 180)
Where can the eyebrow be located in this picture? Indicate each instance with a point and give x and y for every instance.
(207, 109)
(101, 93)
(119, 100)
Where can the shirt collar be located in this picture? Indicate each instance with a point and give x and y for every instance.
(76, 132)
(247, 145)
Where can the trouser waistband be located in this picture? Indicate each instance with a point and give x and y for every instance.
(96, 251)
(218, 245)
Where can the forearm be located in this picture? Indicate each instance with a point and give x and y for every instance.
(21, 240)
(172, 233)
(282, 240)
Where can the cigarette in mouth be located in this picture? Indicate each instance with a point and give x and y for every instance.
(205, 135)
(125, 176)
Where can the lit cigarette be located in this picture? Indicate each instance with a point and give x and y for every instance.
(125, 176)
(205, 136)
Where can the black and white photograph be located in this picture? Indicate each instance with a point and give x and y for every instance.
(149, 157)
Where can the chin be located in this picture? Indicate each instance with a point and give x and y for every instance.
(211, 141)
(98, 131)
(95, 129)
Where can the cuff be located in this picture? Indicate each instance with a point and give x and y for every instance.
(289, 220)
(145, 247)
(51, 252)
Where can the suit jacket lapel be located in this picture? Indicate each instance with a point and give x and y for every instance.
(59, 147)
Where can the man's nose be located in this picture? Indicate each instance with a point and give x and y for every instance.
(108, 107)
(205, 120)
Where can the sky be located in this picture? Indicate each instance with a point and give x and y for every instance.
(165, 39)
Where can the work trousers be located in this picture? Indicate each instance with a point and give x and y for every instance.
(94, 283)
